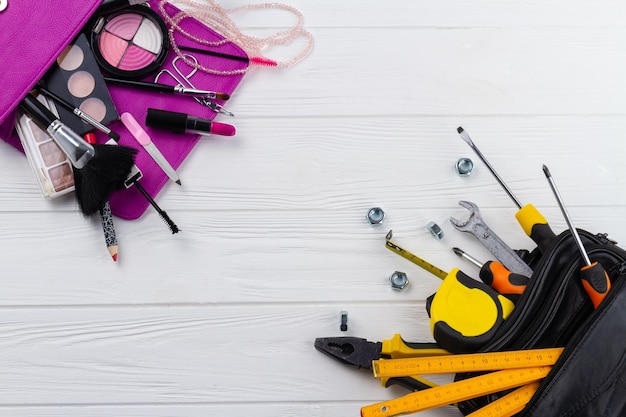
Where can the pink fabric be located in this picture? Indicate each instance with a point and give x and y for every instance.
(33, 35)
(44, 32)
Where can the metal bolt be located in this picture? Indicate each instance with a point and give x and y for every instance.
(375, 215)
(398, 280)
(344, 321)
(435, 230)
(464, 167)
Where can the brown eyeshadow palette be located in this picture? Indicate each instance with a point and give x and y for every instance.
(76, 77)
(51, 166)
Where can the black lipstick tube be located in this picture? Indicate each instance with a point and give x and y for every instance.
(183, 123)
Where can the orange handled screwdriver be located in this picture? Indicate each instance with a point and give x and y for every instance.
(532, 221)
(594, 278)
(497, 276)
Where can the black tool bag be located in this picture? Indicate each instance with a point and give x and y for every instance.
(589, 379)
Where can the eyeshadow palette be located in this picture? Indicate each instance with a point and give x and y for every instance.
(77, 78)
(51, 166)
(131, 43)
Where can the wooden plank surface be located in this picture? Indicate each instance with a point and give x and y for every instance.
(220, 319)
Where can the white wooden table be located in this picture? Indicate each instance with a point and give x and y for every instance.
(220, 319)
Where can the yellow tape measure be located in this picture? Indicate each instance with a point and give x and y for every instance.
(438, 272)
(456, 391)
(510, 404)
(473, 362)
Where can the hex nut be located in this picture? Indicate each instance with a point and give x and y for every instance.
(435, 230)
(398, 280)
(375, 215)
(464, 167)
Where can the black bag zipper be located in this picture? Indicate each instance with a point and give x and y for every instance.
(618, 272)
(523, 331)
(532, 315)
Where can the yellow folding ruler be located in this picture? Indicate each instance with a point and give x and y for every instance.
(471, 362)
(508, 405)
(456, 391)
(522, 368)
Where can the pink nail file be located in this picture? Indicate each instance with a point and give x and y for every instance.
(144, 140)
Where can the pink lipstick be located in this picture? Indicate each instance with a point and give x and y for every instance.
(183, 123)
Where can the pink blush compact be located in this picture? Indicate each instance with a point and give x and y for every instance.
(131, 43)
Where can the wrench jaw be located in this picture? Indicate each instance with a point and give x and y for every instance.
(476, 226)
(457, 223)
(469, 205)
(474, 217)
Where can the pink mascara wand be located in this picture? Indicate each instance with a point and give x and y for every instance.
(257, 60)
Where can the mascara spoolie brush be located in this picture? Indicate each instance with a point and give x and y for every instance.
(133, 179)
(98, 169)
(173, 228)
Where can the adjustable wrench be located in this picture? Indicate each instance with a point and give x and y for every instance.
(503, 253)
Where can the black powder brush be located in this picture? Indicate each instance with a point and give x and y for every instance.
(98, 169)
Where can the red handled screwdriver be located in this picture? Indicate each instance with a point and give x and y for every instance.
(497, 276)
(594, 278)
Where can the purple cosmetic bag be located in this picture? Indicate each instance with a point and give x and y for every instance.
(33, 36)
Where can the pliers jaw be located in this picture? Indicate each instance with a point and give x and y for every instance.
(352, 351)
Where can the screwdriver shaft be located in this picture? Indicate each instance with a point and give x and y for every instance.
(469, 141)
(467, 257)
(568, 219)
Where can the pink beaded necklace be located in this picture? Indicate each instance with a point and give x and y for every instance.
(217, 18)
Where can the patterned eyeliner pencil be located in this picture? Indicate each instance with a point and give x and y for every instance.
(106, 217)
(109, 230)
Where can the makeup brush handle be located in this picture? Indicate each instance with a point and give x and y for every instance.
(162, 88)
(76, 148)
(35, 109)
